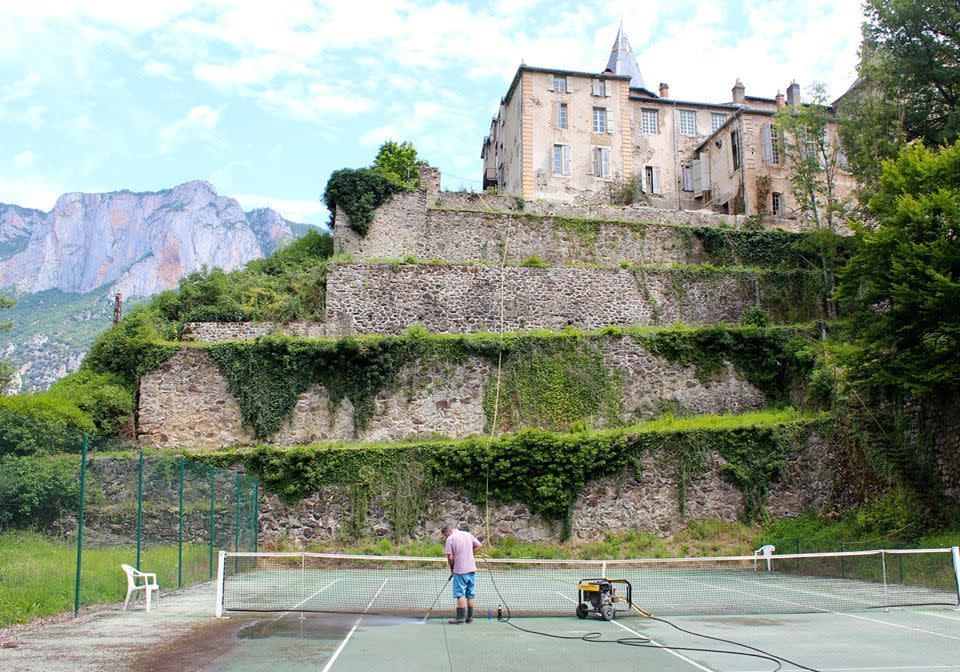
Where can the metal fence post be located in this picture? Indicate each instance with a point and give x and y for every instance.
(213, 485)
(180, 531)
(256, 515)
(236, 513)
(139, 508)
(83, 490)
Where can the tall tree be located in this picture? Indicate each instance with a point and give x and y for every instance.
(905, 275)
(398, 162)
(813, 158)
(917, 43)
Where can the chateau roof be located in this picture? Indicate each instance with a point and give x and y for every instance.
(623, 62)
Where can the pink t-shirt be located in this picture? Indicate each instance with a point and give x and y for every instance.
(460, 546)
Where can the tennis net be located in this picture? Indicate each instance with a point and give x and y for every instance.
(419, 587)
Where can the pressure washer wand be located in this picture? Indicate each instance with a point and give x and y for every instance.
(437, 598)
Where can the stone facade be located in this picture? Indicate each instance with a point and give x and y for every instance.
(647, 502)
(186, 401)
(388, 298)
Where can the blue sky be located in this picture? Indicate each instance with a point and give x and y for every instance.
(265, 98)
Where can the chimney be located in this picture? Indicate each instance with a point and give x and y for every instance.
(793, 94)
(739, 97)
(664, 90)
(779, 100)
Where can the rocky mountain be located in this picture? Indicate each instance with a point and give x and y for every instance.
(65, 265)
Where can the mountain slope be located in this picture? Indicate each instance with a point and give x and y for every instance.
(65, 265)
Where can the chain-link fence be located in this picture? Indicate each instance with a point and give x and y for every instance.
(69, 521)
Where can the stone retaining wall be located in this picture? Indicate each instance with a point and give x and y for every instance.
(386, 299)
(186, 401)
(213, 332)
(648, 502)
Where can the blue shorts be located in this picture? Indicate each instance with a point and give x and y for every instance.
(463, 585)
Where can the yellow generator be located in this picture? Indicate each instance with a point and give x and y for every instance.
(605, 597)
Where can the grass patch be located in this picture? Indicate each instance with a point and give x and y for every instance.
(38, 573)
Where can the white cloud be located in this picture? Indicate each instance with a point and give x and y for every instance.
(311, 211)
(29, 192)
(376, 136)
(198, 122)
(24, 160)
(160, 69)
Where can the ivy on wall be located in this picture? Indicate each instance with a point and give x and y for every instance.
(543, 470)
(552, 380)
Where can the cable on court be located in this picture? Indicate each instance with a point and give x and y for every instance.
(646, 642)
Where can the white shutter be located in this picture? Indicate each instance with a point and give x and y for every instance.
(596, 87)
(656, 180)
(609, 120)
(556, 115)
(643, 179)
(704, 172)
(566, 159)
(767, 143)
(697, 180)
(605, 161)
(550, 80)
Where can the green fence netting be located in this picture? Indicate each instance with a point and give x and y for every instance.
(68, 522)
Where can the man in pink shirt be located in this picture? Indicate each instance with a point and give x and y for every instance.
(459, 548)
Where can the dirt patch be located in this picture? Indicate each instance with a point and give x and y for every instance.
(193, 650)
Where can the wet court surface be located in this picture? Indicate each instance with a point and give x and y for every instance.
(183, 637)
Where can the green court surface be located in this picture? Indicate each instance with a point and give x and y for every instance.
(895, 640)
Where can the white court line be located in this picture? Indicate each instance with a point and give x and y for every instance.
(652, 641)
(294, 608)
(872, 668)
(955, 619)
(343, 644)
(826, 611)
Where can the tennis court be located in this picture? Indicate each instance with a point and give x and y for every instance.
(332, 613)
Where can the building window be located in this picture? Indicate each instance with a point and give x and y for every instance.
(688, 178)
(601, 162)
(562, 115)
(559, 84)
(688, 122)
(649, 122)
(777, 203)
(600, 87)
(651, 179)
(775, 145)
(561, 159)
(716, 120)
(599, 120)
(735, 147)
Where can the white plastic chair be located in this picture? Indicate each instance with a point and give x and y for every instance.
(148, 586)
(766, 552)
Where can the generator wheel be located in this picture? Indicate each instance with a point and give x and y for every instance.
(582, 610)
(607, 612)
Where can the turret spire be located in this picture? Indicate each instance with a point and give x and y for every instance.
(622, 61)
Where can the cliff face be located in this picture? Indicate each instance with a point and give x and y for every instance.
(92, 245)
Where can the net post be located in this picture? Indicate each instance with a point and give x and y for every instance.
(83, 490)
(883, 563)
(139, 507)
(843, 564)
(180, 530)
(220, 578)
(955, 552)
(603, 571)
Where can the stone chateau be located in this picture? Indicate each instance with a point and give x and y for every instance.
(573, 136)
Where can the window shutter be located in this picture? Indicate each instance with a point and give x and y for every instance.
(566, 159)
(704, 172)
(767, 143)
(697, 178)
(656, 180)
(556, 115)
(596, 87)
(643, 179)
(550, 80)
(609, 120)
(605, 162)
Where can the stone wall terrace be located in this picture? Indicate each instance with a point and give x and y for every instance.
(387, 298)
(647, 501)
(186, 401)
